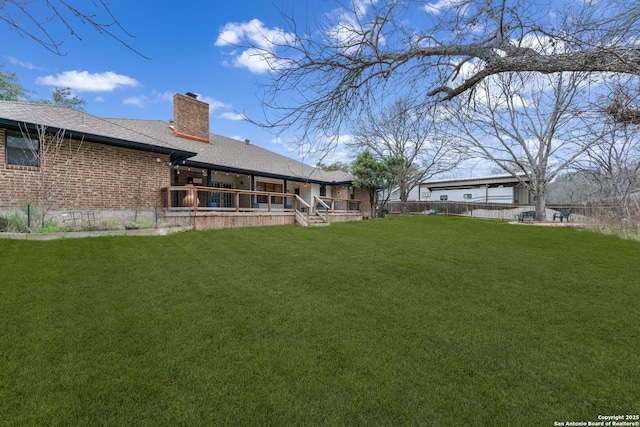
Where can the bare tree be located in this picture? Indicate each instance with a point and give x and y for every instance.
(51, 154)
(325, 76)
(528, 125)
(411, 134)
(572, 188)
(40, 20)
(613, 164)
(622, 104)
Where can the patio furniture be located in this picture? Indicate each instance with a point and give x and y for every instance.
(563, 214)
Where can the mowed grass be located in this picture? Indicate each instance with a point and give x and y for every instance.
(404, 321)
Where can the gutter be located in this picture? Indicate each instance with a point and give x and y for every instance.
(222, 168)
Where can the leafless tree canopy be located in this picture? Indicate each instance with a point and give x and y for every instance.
(42, 20)
(410, 134)
(325, 75)
(531, 126)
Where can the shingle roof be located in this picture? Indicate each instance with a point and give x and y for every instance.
(78, 124)
(228, 153)
(155, 135)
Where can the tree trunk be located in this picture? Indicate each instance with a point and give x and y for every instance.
(541, 206)
(373, 193)
(403, 198)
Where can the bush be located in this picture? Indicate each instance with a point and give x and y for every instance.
(4, 223)
(622, 220)
(51, 227)
(17, 223)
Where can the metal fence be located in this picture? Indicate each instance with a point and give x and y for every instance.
(501, 211)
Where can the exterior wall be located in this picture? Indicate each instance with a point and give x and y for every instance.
(84, 175)
(414, 195)
(340, 191)
(480, 194)
(365, 206)
(522, 195)
(306, 193)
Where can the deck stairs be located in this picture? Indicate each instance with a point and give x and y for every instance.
(316, 219)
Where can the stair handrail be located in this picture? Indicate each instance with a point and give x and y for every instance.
(298, 203)
(318, 201)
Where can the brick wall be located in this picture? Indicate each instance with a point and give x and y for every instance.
(190, 118)
(84, 175)
(344, 192)
(365, 206)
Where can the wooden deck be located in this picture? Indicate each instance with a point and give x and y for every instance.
(215, 208)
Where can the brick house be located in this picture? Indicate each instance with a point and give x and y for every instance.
(129, 168)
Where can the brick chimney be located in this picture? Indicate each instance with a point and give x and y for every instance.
(190, 117)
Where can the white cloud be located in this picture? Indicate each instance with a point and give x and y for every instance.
(229, 115)
(255, 32)
(138, 101)
(360, 6)
(441, 6)
(214, 104)
(258, 55)
(165, 96)
(144, 100)
(83, 81)
(16, 61)
(159, 97)
(348, 32)
(253, 60)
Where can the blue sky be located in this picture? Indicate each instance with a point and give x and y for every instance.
(190, 46)
(187, 55)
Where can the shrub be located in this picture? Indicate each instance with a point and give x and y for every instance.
(17, 223)
(51, 227)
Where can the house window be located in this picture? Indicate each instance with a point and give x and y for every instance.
(444, 197)
(22, 150)
(467, 196)
(271, 188)
(323, 190)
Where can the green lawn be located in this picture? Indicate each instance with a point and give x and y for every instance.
(404, 321)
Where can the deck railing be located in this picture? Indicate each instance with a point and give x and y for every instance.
(223, 199)
(200, 198)
(322, 208)
(302, 211)
(340, 205)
